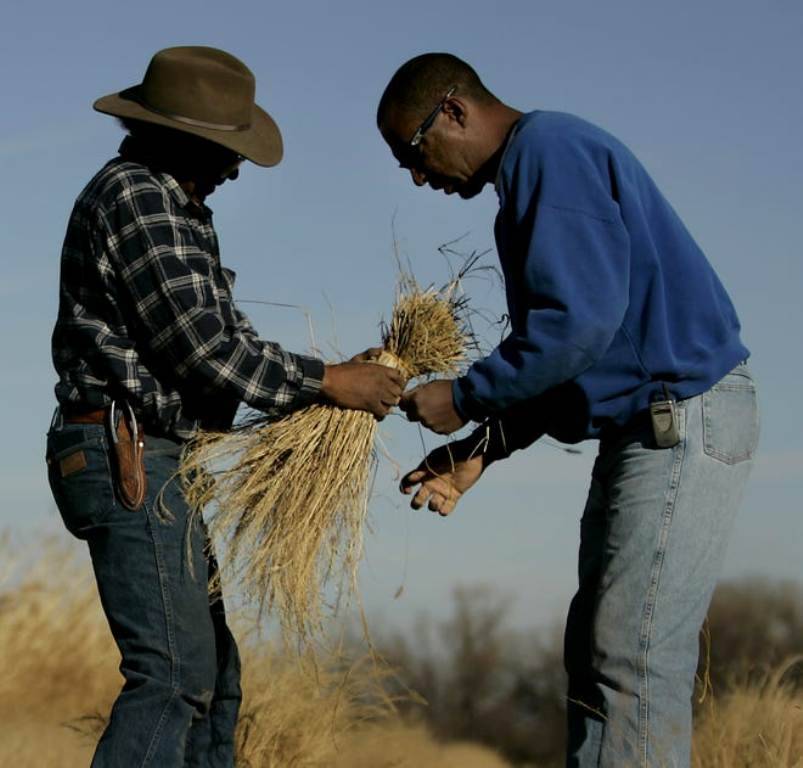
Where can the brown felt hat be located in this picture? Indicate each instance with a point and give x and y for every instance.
(205, 92)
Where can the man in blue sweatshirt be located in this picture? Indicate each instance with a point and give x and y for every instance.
(620, 331)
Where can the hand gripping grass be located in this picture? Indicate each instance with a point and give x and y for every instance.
(289, 498)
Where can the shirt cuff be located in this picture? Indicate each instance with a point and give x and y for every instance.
(467, 408)
(311, 377)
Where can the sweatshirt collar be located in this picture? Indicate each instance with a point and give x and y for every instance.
(513, 131)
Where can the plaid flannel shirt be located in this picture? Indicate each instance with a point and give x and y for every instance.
(146, 313)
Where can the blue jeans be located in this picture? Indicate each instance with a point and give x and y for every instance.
(179, 704)
(653, 538)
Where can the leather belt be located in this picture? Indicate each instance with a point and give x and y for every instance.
(87, 417)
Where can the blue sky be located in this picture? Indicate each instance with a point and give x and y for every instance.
(706, 94)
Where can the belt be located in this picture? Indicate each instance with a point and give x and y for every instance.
(99, 416)
(85, 417)
(71, 415)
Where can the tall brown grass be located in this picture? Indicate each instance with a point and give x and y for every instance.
(58, 678)
(756, 725)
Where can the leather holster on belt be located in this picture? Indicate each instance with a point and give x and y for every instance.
(128, 458)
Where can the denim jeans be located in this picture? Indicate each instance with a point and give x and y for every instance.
(653, 538)
(179, 703)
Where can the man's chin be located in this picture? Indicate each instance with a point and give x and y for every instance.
(468, 192)
(205, 188)
(465, 190)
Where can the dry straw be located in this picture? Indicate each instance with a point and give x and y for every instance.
(60, 677)
(289, 498)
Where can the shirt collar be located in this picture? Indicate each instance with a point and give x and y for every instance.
(513, 131)
(132, 150)
(181, 197)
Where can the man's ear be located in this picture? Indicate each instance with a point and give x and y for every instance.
(456, 109)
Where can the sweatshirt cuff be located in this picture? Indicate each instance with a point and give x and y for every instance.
(467, 408)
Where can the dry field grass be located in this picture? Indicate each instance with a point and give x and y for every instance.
(58, 676)
(755, 726)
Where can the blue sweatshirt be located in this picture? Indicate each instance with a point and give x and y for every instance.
(609, 296)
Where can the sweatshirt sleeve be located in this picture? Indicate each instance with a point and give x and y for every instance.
(566, 255)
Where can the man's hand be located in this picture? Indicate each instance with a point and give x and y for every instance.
(362, 386)
(432, 405)
(444, 476)
(370, 355)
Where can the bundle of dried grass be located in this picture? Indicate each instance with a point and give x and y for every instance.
(291, 501)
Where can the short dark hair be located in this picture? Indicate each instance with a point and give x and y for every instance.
(170, 149)
(164, 137)
(422, 81)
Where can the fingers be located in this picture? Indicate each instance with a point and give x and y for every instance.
(412, 479)
(377, 408)
(391, 374)
(390, 380)
(409, 404)
(370, 354)
(436, 502)
(398, 381)
(362, 386)
(440, 500)
(443, 501)
(396, 390)
(447, 508)
(382, 409)
(432, 405)
(387, 402)
(422, 496)
(434, 491)
(387, 385)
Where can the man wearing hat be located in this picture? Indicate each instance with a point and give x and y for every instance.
(620, 331)
(149, 346)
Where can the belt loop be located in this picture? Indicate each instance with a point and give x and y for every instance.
(57, 418)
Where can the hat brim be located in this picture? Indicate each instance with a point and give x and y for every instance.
(261, 142)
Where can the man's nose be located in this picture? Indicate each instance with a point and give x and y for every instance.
(419, 177)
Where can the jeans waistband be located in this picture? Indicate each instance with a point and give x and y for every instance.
(155, 442)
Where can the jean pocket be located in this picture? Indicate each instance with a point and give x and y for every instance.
(730, 420)
(80, 477)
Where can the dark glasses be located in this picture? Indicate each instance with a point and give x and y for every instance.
(430, 119)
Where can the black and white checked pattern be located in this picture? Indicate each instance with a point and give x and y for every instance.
(146, 312)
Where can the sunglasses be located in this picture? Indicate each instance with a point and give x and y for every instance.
(232, 169)
(430, 118)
